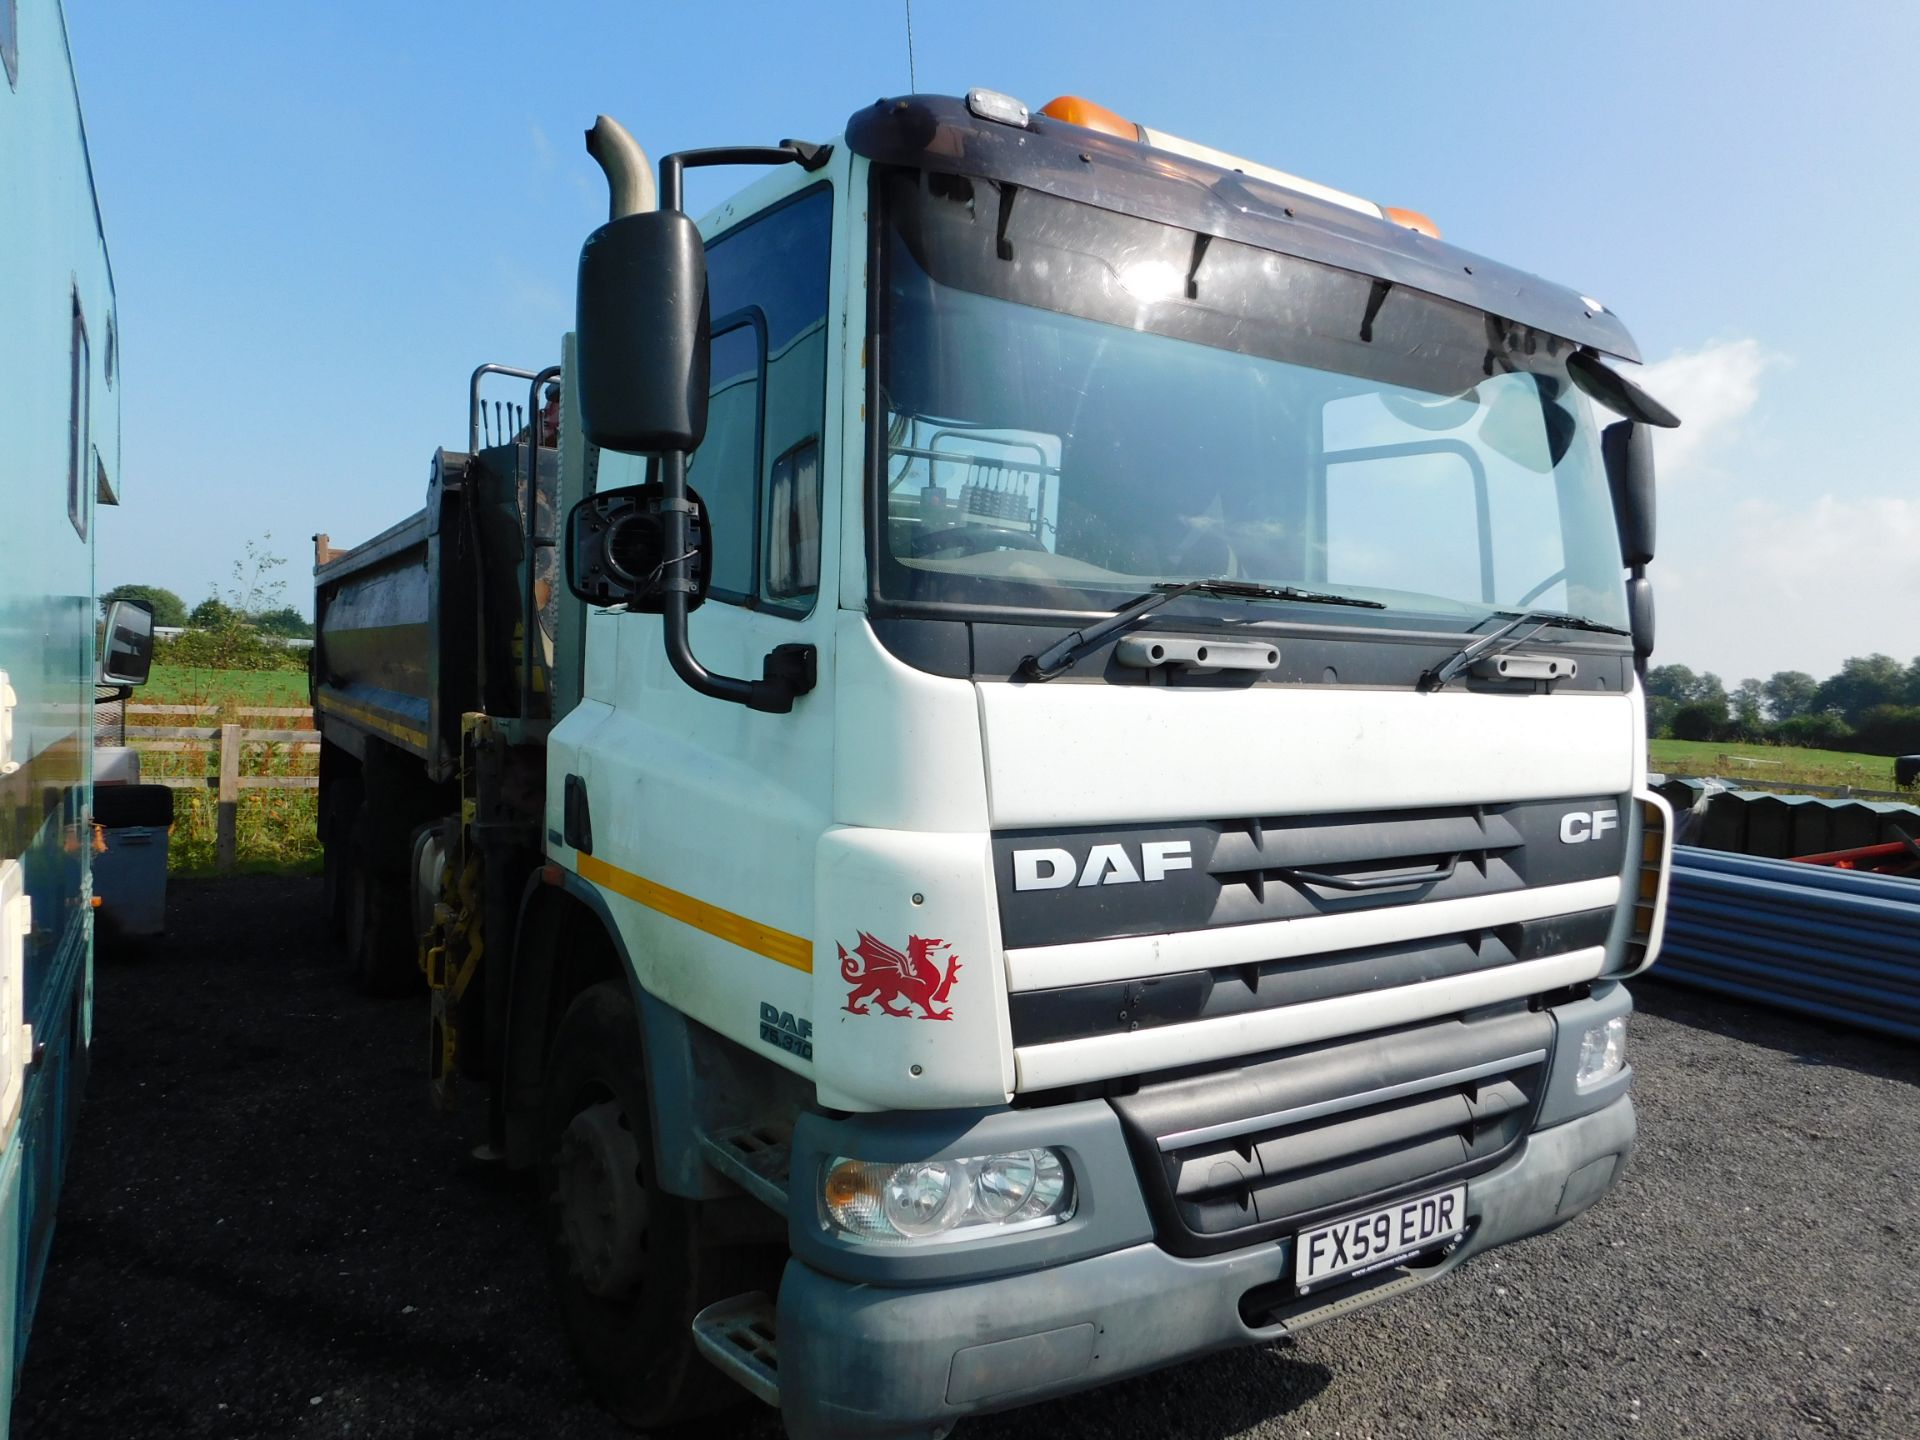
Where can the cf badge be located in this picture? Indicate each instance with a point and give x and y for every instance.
(1581, 825)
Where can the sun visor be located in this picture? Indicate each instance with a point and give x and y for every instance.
(1054, 157)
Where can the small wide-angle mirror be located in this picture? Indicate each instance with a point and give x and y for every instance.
(126, 644)
(644, 334)
(1640, 614)
(615, 552)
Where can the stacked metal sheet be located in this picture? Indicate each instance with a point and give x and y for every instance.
(1837, 944)
(1757, 822)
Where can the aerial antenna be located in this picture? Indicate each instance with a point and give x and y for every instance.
(913, 84)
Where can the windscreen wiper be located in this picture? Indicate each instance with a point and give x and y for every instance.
(1488, 646)
(1059, 658)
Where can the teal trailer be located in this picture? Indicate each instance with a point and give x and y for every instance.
(60, 434)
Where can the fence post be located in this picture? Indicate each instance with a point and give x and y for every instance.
(227, 815)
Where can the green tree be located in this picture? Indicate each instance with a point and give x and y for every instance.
(286, 622)
(1889, 730)
(1698, 720)
(1672, 682)
(1818, 731)
(168, 608)
(1749, 704)
(1677, 682)
(1789, 693)
(1863, 683)
(210, 614)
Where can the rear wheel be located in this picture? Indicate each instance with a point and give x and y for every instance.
(631, 1265)
(339, 812)
(381, 949)
(333, 888)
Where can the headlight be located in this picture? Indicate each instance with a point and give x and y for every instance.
(1603, 1053)
(933, 1200)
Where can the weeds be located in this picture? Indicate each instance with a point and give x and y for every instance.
(274, 829)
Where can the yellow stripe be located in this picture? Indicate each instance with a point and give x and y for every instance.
(374, 720)
(735, 929)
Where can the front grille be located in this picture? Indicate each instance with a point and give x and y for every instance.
(1117, 1007)
(1097, 883)
(1231, 1157)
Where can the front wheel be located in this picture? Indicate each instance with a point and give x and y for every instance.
(629, 1267)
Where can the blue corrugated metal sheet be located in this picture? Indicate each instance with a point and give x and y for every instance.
(1832, 943)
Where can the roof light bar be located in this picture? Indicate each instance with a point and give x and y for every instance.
(1074, 110)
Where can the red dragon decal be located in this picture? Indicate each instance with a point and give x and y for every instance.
(881, 973)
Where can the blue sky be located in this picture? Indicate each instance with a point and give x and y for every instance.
(323, 215)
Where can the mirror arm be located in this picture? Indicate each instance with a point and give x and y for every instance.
(787, 152)
(787, 676)
(775, 693)
(1639, 606)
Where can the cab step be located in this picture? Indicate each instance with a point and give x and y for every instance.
(754, 1157)
(737, 1335)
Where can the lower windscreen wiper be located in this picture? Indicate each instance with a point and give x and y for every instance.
(1502, 640)
(1059, 658)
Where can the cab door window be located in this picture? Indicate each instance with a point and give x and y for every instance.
(758, 468)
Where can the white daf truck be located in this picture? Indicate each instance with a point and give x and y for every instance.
(1037, 770)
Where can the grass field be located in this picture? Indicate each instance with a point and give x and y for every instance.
(274, 829)
(191, 685)
(1774, 764)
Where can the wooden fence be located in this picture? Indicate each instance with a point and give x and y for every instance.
(229, 744)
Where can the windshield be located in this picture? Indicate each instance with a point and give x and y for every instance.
(1075, 405)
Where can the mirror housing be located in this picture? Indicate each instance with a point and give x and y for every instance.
(644, 334)
(1640, 615)
(1627, 448)
(616, 549)
(126, 644)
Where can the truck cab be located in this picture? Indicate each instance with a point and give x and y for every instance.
(1089, 766)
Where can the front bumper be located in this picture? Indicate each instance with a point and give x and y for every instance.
(866, 1360)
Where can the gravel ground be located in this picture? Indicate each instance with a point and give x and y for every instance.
(267, 1231)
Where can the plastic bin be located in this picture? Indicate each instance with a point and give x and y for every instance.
(130, 863)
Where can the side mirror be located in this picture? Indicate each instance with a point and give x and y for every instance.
(1640, 614)
(644, 334)
(1627, 448)
(616, 549)
(126, 648)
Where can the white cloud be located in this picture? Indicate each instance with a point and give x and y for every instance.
(1712, 390)
(1754, 585)
(1796, 587)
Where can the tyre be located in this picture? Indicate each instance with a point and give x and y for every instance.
(333, 889)
(629, 1266)
(340, 809)
(381, 948)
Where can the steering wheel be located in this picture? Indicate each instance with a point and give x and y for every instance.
(1537, 591)
(971, 540)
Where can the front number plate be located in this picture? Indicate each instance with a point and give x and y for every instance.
(1377, 1238)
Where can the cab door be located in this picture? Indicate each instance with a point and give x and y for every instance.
(705, 814)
